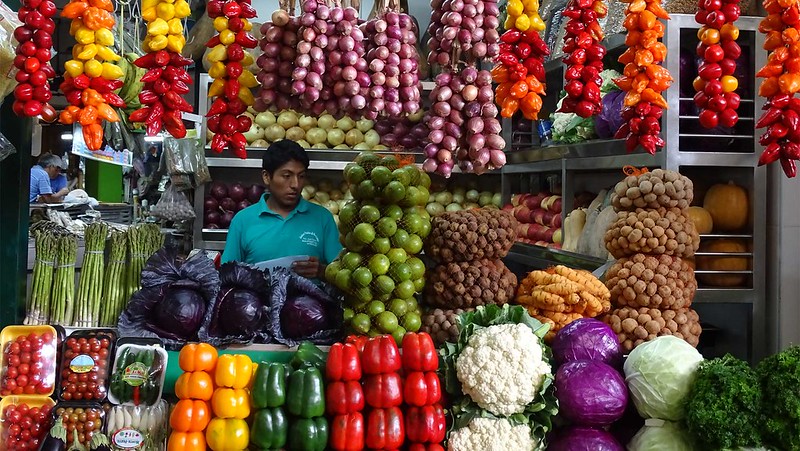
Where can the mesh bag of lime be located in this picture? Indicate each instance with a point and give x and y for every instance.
(382, 229)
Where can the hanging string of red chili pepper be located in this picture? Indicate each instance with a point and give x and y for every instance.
(644, 78)
(715, 84)
(35, 36)
(166, 79)
(584, 57)
(231, 87)
(91, 77)
(781, 115)
(519, 72)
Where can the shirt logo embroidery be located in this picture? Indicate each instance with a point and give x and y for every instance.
(309, 239)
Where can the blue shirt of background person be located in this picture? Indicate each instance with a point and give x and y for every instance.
(282, 223)
(42, 174)
(58, 183)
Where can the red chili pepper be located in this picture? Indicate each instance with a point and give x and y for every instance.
(156, 111)
(180, 87)
(425, 447)
(218, 107)
(574, 72)
(770, 154)
(425, 424)
(219, 142)
(422, 389)
(238, 145)
(511, 36)
(385, 429)
(232, 89)
(161, 86)
(154, 126)
(235, 52)
(114, 100)
(789, 167)
(380, 356)
(347, 432)
(246, 40)
(343, 397)
(343, 363)
(574, 88)
(152, 75)
(771, 116)
(177, 60)
(523, 50)
(585, 108)
(173, 123)
(148, 97)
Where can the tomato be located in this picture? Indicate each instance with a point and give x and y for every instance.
(728, 118)
(708, 36)
(13, 348)
(22, 380)
(729, 83)
(714, 53)
(25, 357)
(10, 384)
(105, 343)
(23, 368)
(727, 66)
(715, 19)
(709, 119)
(712, 88)
(13, 416)
(733, 100)
(47, 337)
(12, 372)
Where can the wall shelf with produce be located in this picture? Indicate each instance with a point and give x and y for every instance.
(731, 262)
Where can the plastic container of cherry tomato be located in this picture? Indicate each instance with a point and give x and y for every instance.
(83, 420)
(86, 366)
(140, 367)
(24, 421)
(28, 362)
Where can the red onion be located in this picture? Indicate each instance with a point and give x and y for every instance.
(281, 46)
(472, 109)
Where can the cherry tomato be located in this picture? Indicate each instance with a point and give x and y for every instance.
(12, 372)
(708, 36)
(709, 119)
(13, 348)
(729, 83)
(11, 385)
(47, 337)
(25, 357)
(13, 416)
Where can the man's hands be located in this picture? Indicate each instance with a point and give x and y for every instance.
(310, 269)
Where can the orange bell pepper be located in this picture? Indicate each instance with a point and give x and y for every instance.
(190, 415)
(187, 441)
(194, 385)
(197, 357)
(73, 10)
(509, 107)
(769, 87)
(519, 89)
(93, 135)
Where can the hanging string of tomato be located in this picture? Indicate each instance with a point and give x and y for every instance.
(715, 84)
(584, 57)
(35, 36)
(644, 78)
(91, 77)
(781, 82)
(232, 82)
(166, 79)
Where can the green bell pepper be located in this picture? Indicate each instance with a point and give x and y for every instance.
(269, 385)
(308, 354)
(308, 434)
(306, 394)
(270, 429)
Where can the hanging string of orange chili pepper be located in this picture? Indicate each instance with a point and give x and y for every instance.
(644, 78)
(519, 73)
(781, 82)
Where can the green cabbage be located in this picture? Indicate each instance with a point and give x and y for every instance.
(660, 374)
(659, 435)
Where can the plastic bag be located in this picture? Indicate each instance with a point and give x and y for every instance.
(8, 47)
(6, 148)
(186, 161)
(286, 286)
(173, 206)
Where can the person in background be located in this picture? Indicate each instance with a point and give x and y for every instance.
(42, 176)
(282, 223)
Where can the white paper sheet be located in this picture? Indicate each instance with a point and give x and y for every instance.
(283, 262)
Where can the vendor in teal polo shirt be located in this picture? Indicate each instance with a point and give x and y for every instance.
(283, 224)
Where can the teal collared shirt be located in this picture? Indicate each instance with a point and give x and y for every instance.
(258, 234)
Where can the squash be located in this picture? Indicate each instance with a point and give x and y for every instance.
(703, 222)
(709, 263)
(728, 206)
(573, 228)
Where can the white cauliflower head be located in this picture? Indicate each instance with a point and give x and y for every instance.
(501, 368)
(491, 434)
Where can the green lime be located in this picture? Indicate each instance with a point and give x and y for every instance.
(356, 305)
(360, 323)
(413, 245)
(386, 322)
(374, 332)
(384, 284)
(384, 298)
(398, 334)
(394, 192)
(399, 238)
(394, 212)
(425, 230)
(354, 173)
(342, 279)
(423, 196)
(412, 305)
(381, 245)
(365, 190)
(331, 270)
(361, 277)
(417, 267)
(380, 176)
(348, 314)
(348, 213)
(398, 307)
(411, 321)
(379, 264)
(405, 290)
(387, 227)
(364, 233)
(352, 244)
(400, 272)
(412, 223)
(419, 284)
(390, 162)
(401, 175)
(397, 255)
(410, 199)
(363, 294)
(367, 158)
(375, 308)
(351, 260)
(414, 173)
(369, 213)
(424, 180)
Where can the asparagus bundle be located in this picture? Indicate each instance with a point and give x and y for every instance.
(114, 286)
(90, 286)
(144, 240)
(38, 310)
(61, 303)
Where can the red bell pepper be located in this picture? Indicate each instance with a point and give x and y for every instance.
(425, 447)
(359, 341)
(380, 356)
(422, 389)
(419, 352)
(343, 397)
(426, 424)
(385, 429)
(343, 363)
(347, 432)
(383, 390)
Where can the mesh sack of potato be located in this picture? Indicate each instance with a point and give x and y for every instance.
(470, 284)
(658, 231)
(442, 325)
(560, 295)
(634, 326)
(469, 235)
(658, 281)
(657, 189)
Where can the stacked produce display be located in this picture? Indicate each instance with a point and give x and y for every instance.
(35, 36)
(382, 229)
(194, 389)
(539, 218)
(652, 285)
(344, 397)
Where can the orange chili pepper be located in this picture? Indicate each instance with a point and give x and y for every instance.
(502, 92)
(510, 106)
(770, 70)
(772, 22)
(655, 98)
(631, 70)
(624, 83)
(640, 83)
(531, 105)
(790, 35)
(91, 97)
(631, 22)
(659, 51)
(647, 20)
(769, 87)
(88, 115)
(96, 18)
(655, 8)
(105, 111)
(633, 38)
(659, 29)
(773, 40)
(772, 7)
(649, 38)
(792, 65)
(93, 135)
(534, 85)
(632, 99)
(74, 10)
(789, 83)
(103, 4)
(628, 55)
(500, 74)
(786, 3)
(643, 58)
(778, 56)
(519, 89)
(656, 72)
(637, 6)
(66, 117)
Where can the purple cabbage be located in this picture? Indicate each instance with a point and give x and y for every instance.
(610, 118)
(590, 393)
(302, 311)
(580, 438)
(587, 339)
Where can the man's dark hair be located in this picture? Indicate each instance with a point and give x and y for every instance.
(282, 152)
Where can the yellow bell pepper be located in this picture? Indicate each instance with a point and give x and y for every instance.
(74, 68)
(157, 43)
(149, 14)
(84, 35)
(247, 79)
(227, 434)
(175, 26)
(218, 53)
(182, 9)
(106, 54)
(233, 370)
(227, 37)
(93, 68)
(158, 27)
(220, 23)
(112, 71)
(89, 51)
(165, 11)
(175, 43)
(218, 70)
(217, 88)
(514, 7)
(231, 403)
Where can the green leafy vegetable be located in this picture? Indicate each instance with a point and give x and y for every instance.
(780, 378)
(723, 406)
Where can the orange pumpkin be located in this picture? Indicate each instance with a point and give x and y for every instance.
(735, 263)
(703, 222)
(728, 206)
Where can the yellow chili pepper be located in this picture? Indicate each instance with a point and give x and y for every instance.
(233, 370)
(220, 23)
(246, 96)
(217, 88)
(175, 43)
(74, 68)
(84, 35)
(156, 43)
(112, 71)
(247, 79)
(514, 7)
(165, 11)
(89, 52)
(230, 403)
(175, 26)
(217, 70)
(104, 36)
(106, 54)
(93, 68)
(227, 434)
(149, 14)
(182, 9)
(227, 37)
(218, 53)
(157, 27)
